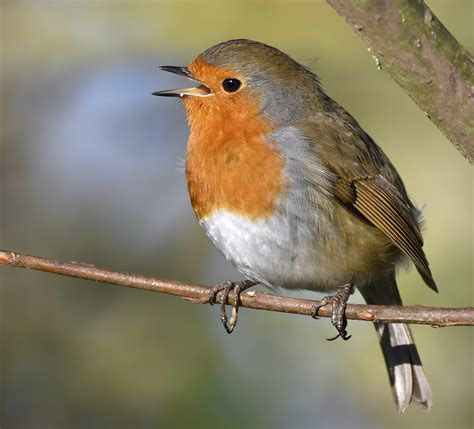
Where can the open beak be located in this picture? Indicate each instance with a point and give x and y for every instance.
(198, 91)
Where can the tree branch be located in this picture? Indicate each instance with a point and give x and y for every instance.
(255, 300)
(419, 53)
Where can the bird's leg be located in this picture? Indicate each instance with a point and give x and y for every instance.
(225, 288)
(339, 303)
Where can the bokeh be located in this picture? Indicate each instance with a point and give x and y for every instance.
(92, 170)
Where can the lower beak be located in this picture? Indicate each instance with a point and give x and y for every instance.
(198, 91)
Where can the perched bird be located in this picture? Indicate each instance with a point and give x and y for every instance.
(296, 195)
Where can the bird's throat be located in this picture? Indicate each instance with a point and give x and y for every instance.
(230, 164)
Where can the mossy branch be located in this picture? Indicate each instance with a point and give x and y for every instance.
(409, 42)
(256, 300)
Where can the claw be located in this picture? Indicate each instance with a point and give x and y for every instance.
(225, 288)
(338, 318)
(342, 334)
(315, 308)
(333, 338)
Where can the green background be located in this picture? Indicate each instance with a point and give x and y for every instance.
(91, 170)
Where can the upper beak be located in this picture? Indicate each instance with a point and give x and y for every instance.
(198, 91)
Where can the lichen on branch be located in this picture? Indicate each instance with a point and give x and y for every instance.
(412, 45)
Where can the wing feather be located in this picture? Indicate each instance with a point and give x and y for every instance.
(382, 206)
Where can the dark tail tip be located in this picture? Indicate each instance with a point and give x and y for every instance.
(428, 278)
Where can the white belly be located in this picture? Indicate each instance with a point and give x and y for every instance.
(274, 251)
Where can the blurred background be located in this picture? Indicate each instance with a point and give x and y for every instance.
(92, 170)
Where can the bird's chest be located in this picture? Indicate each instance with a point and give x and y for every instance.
(243, 199)
(233, 168)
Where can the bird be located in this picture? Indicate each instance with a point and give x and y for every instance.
(296, 195)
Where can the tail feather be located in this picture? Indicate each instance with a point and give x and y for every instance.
(407, 378)
(405, 371)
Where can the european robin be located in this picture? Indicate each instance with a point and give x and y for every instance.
(296, 194)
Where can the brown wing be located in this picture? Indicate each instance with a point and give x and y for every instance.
(384, 208)
(370, 186)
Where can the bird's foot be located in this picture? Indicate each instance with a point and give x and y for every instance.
(339, 303)
(225, 288)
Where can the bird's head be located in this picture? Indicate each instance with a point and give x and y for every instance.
(242, 78)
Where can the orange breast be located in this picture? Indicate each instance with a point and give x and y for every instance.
(229, 166)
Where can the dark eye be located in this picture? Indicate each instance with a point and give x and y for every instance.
(231, 85)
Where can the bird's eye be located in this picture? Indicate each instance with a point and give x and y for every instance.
(231, 85)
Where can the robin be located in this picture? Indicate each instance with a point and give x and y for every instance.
(296, 195)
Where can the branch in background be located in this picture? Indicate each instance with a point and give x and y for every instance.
(419, 53)
(255, 300)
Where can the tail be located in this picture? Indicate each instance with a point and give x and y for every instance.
(407, 378)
